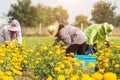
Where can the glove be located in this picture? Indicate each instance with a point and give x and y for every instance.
(108, 44)
(55, 43)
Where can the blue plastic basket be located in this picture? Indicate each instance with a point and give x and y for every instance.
(86, 59)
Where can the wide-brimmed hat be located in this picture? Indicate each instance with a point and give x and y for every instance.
(53, 29)
(108, 28)
(14, 25)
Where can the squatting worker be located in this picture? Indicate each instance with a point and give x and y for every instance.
(11, 32)
(98, 33)
(71, 36)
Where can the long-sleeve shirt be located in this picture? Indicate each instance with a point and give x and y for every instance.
(5, 34)
(98, 32)
(72, 35)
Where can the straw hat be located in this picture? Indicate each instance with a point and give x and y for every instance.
(108, 28)
(53, 29)
(14, 26)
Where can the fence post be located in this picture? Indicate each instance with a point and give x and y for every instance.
(81, 26)
(40, 28)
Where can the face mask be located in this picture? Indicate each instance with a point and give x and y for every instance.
(14, 34)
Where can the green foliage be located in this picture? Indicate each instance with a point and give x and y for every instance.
(109, 58)
(31, 16)
(81, 19)
(117, 21)
(60, 15)
(24, 12)
(103, 12)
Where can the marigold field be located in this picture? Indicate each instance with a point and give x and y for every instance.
(37, 59)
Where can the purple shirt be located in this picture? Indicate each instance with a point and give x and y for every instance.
(72, 35)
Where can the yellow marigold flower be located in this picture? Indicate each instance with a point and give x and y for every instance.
(2, 54)
(37, 54)
(36, 62)
(33, 67)
(10, 78)
(100, 51)
(1, 61)
(67, 71)
(97, 76)
(61, 77)
(77, 64)
(49, 78)
(7, 68)
(118, 47)
(91, 65)
(101, 70)
(73, 78)
(39, 59)
(25, 61)
(24, 56)
(9, 73)
(72, 54)
(72, 60)
(7, 42)
(44, 48)
(116, 65)
(99, 58)
(1, 50)
(1, 73)
(50, 52)
(113, 61)
(57, 47)
(63, 51)
(86, 77)
(106, 65)
(97, 62)
(79, 71)
(81, 62)
(5, 78)
(105, 43)
(17, 72)
(23, 44)
(58, 52)
(106, 60)
(67, 63)
(110, 76)
(111, 43)
(57, 69)
(64, 47)
(61, 66)
(18, 67)
(30, 51)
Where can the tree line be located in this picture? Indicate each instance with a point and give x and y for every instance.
(31, 16)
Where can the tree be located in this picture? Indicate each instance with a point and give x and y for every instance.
(81, 19)
(117, 21)
(43, 15)
(24, 12)
(31, 16)
(59, 14)
(103, 12)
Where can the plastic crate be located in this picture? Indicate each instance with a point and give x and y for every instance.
(86, 59)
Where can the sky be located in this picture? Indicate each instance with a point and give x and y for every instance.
(73, 7)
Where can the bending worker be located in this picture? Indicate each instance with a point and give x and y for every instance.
(71, 36)
(97, 33)
(11, 32)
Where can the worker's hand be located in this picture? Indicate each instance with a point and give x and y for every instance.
(108, 44)
(55, 43)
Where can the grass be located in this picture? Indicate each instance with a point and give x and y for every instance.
(32, 42)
